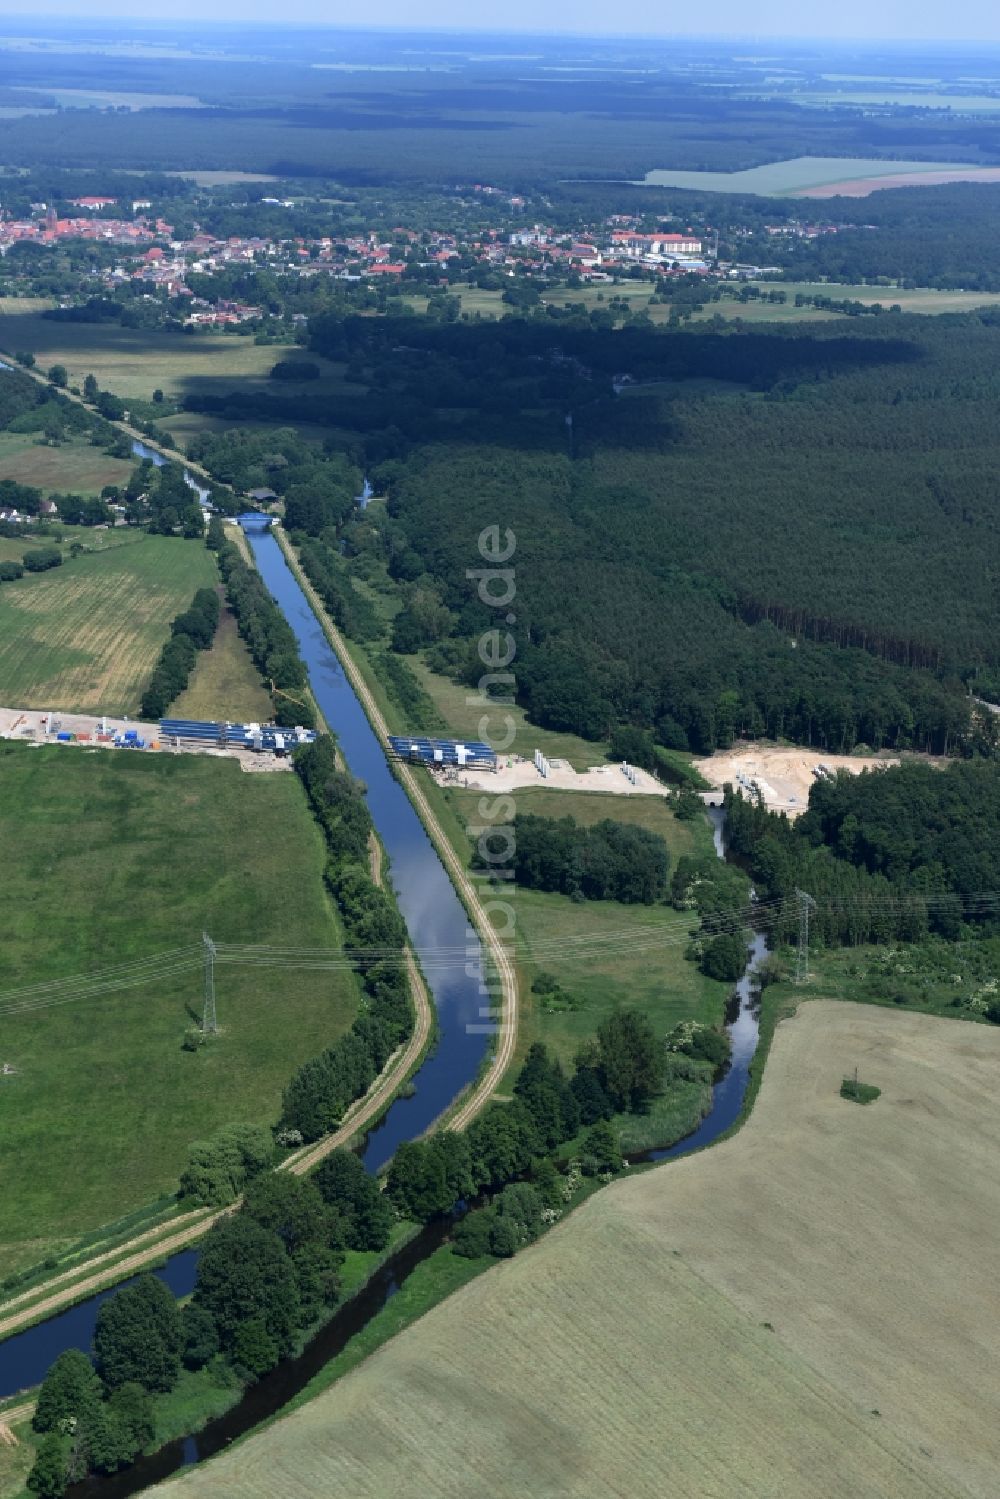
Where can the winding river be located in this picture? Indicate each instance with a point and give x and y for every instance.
(437, 922)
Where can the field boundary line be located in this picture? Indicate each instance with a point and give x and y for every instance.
(486, 1085)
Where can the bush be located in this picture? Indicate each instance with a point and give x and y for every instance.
(10, 572)
(40, 559)
(47, 1478)
(295, 369)
(725, 957)
(473, 1235)
(200, 1340)
(859, 1092)
(219, 1168)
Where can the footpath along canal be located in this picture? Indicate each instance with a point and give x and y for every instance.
(440, 931)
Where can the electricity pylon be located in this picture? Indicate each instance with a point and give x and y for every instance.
(209, 1025)
(806, 903)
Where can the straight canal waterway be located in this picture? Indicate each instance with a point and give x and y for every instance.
(438, 925)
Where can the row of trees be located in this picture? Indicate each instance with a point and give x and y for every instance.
(268, 635)
(349, 609)
(617, 1072)
(321, 1089)
(190, 632)
(264, 1275)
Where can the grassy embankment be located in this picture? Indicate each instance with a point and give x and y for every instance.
(825, 1326)
(225, 684)
(85, 636)
(113, 858)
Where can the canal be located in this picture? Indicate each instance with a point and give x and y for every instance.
(437, 923)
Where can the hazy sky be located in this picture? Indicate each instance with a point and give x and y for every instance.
(917, 20)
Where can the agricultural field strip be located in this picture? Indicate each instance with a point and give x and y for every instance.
(483, 1090)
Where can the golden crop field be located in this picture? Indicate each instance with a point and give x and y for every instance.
(807, 1311)
(85, 636)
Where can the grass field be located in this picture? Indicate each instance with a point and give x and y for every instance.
(637, 294)
(86, 635)
(109, 858)
(71, 468)
(225, 684)
(13, 548)
(135, 362)
(804, 1312)
(462, 710)
(643, 966)
(785, 178)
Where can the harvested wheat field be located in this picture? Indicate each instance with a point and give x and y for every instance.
(85, 636)
(629, 1352)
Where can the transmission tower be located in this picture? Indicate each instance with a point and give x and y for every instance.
(209, 1025)
(806, 903)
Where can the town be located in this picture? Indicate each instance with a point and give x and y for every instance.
(142, 251)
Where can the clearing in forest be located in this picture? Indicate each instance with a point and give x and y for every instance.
(805, 1311)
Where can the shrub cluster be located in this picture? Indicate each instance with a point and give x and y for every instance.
(218, 1169)
(191, 632)
(507, 1150)
(401, 681)
(40, 559)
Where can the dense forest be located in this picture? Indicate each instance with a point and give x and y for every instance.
(896, 853)
(789, 533)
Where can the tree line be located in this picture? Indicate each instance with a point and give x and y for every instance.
(266, 632)
(266, 1275)
(321, 1089)
(190, 632)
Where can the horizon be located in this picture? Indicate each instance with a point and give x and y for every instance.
(980, 24)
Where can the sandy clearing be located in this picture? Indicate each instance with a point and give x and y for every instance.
(783, 775)
(806, 1311)
(862, 187)
(515, 773)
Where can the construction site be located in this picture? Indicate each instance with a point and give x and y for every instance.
(255, 747)
(780, 776)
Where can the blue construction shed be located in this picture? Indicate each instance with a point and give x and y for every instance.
(253, 736)
(467, 754)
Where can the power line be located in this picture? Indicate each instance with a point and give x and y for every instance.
(648, 936)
